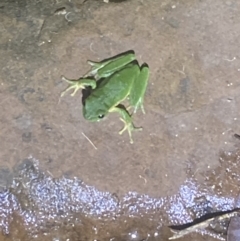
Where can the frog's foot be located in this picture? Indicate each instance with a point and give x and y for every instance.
(129, 127)
(82, 83)
(73, 84)
(127, 120)
(136, 108)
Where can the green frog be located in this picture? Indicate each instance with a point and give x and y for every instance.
(112, 81)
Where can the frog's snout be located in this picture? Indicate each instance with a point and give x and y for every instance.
(92, 115)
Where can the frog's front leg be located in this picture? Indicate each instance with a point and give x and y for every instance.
(81, 83)
(127, 119)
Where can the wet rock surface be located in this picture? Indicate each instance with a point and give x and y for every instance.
(184, 163)
(37, 205)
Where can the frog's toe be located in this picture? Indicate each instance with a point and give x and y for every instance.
(129, 133)
(138, 106)
(143, 111)
(142, 108)
(64, 92)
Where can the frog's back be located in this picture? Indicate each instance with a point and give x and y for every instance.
(116, 88)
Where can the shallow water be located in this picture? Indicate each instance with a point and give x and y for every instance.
(38, 206)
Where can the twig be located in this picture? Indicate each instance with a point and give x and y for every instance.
(89, 141)
(202, 224)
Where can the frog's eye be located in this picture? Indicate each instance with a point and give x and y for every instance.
(100, 116)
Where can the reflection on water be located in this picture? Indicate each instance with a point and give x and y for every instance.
(39, 206)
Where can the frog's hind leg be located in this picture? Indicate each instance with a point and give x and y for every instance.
(137, 93)
(107, 67)
(127, 120)
(81, 83)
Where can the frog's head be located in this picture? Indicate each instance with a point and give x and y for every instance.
(92, 114)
